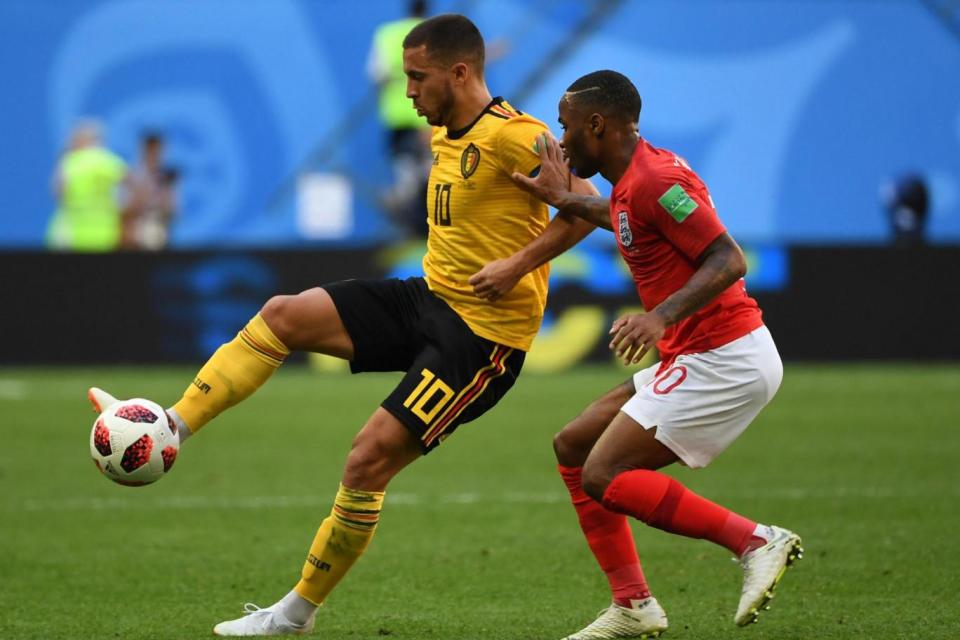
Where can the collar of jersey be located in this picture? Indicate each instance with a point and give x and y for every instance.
(619, 189)
(459, 133)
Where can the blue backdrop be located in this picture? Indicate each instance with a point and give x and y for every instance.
(795, 113)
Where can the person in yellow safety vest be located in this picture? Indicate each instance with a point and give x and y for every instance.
(408, 135)
(86, 184)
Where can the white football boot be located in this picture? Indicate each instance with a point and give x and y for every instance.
(269, 621)
(100, 399)
(645, 619)
(762, 570)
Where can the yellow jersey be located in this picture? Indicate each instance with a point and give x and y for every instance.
(477, 214)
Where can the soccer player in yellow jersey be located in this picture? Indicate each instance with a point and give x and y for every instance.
(459, 333)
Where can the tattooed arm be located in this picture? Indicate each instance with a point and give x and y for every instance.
(721, 264)
(593, 209)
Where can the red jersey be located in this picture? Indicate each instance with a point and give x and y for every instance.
(663, 217)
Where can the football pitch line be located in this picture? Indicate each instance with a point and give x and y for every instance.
(416, 499)
(12, 389)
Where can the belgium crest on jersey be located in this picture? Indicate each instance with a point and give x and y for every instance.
(470, 160)
(623, 229)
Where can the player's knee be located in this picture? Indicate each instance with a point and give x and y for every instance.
(568, 450)
(279, 315)
(369, 464)
(596, 478)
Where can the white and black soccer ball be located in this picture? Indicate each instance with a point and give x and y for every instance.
(134, 442)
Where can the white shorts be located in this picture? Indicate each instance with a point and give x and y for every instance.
(704, 401)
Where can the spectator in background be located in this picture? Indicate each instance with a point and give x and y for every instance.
(907, 202)
(85, 185)
(152, 198)
(408, 133)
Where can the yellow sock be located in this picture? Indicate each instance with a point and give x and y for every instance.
(342, 537)
(232, 373)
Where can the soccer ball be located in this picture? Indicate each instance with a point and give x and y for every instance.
(134, 442)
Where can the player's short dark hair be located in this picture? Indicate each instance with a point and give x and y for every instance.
(449, 38)
(608, 93)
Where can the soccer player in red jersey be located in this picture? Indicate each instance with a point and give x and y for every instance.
(719, 366)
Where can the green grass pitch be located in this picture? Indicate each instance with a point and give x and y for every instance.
(477, 540)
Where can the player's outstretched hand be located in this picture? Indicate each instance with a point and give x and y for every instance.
(495, 279)
(553, 179)
(635, 334)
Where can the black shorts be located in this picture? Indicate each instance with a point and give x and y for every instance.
(453, 375)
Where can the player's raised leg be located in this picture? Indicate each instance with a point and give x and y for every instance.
(382, 448)
(305, 322)
(634, 613)
(621, 473)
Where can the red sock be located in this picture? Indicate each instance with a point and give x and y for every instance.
(610, 540)
(662, 502)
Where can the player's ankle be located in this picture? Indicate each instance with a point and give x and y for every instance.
(761, 535)
(296, 609)
(628, 600)
(183, 431)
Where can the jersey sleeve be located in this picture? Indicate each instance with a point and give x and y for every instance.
(516, 145)
(679, 205)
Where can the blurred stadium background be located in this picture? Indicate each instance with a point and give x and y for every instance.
(805, 117)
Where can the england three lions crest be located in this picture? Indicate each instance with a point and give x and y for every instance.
(623, 228)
